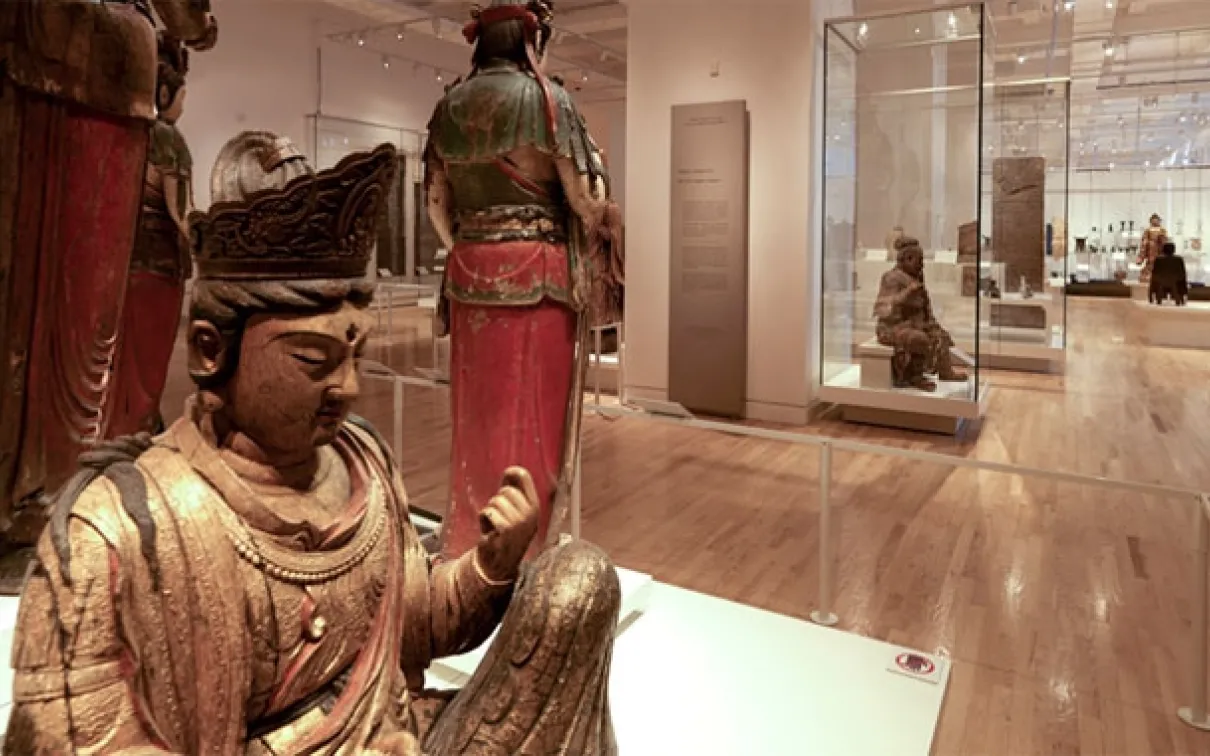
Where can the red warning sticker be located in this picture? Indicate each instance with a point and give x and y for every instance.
(917, 666)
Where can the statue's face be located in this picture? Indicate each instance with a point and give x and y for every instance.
(913, 263)
(297, 379)
(1155, 221)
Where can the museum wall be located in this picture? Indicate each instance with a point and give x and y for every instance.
(764, 53)
(263, 75)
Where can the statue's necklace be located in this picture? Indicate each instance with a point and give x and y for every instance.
(308, 567)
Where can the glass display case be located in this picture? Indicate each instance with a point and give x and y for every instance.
(1024, 219)
(905, 122)
(407, 249)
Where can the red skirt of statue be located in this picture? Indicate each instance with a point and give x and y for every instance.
(511, 369)
(149, 327)
(75, 212)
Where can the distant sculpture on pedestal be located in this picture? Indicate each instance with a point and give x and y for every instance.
(907, 325)
(77, 100)
(249, 582)
(1151, 245)
(1169, 278)
(160, 264)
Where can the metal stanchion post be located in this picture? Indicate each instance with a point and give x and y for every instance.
(824, 615)
(398, 450)
(576, 500)
(1195, 715)
(596, 366)
(622, 362)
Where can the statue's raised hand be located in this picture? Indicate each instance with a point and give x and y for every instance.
(508, 522)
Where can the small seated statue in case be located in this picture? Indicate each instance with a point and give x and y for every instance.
(1168, 277)
(906, 323)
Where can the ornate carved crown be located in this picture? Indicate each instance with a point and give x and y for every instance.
(315, 227)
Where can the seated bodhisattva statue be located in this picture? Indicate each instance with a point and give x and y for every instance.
(249, 582)
(1169, 277)
(906, 323)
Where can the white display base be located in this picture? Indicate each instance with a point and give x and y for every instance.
(456, 671)
(8, 621)
(1167, 325)
(698, 675)
(702, 676)
(940, 411)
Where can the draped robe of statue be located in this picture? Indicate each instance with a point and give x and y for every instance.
(155, 290)
(522, 283)
(905, 322)
(240, 630)
(77, 88)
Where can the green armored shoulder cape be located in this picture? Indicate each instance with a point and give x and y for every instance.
(498, 110)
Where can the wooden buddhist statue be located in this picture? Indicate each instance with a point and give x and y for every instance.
(250, 582)
(907, 325)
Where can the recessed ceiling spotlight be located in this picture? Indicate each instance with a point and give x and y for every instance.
(1021, 58)
(917, 30)
(361, 41)
(1069, 5)
(1108, 4)
(1111, 166)
(1109, 50)
(863, 30)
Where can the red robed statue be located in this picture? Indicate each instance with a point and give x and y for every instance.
(517, 190)
(77, 102)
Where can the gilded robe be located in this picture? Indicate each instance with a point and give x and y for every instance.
(245, 631)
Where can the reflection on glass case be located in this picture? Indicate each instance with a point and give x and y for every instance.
(403, 250)
(906, 276)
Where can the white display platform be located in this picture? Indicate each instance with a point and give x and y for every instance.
(693, 674)
(703, 676)
(940, 411)
(1167, 325)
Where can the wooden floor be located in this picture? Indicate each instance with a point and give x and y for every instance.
(1065, 608)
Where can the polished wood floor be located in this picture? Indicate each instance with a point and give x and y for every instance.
(1065, 609)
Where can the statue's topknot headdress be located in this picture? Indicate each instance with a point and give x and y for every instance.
(316, 226)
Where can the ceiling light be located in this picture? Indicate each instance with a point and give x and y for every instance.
(863, 30)
(917, 29)
(440, 77)
(361, 41)
(399, 34)
(1020, 58)
(584, 76)
(1146, 163)
(953, 20)
(1111, 166)
(386, 62)
(1109, 50)
(1069, 5)
(1108, 4)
